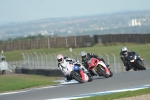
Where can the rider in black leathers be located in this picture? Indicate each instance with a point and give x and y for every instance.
(86, 56)
(123, 54)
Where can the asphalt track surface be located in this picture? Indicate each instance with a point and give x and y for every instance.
(119, 81)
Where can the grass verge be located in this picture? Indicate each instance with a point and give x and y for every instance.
(119, 95)
(13, 82)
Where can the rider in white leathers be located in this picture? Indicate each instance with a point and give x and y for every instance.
(62, 63)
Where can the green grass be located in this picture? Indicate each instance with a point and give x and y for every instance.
(119, 95)
(11, 82)
(141, 49)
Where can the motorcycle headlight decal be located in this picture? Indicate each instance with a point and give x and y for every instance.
(99, 66)
(131, 60)
(76, 67)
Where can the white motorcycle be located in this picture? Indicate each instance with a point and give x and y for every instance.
(75, 71)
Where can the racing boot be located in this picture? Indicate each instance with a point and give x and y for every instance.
(67, 78)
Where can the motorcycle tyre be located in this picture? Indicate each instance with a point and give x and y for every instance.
(111, 74)
(90, 78)
(135, 69)
(76, 76)
(100, 71)
(91, 72)
(141, 65)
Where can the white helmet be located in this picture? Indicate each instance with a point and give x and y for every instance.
(83, 54)
(124, 50)
(60, 58)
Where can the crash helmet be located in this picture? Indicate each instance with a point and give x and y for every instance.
(60, 58)
(124, 51)
(83, 54)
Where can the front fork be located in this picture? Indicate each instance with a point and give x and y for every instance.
(105, 68)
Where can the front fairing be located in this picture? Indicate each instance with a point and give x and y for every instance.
(101, 63)
(132, 60)
(91, 63)
(76, 68)
(132, 57)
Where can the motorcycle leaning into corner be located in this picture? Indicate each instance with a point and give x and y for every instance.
(99, 68)
(135, 62)
(74, 71)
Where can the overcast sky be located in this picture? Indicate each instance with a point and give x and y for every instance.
(27, 10)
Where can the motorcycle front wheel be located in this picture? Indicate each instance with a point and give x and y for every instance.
(111, 74)
(76, 76)
(101, 70)
(141, 65)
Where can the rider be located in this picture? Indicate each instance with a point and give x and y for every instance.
(86, 56)
(61, 60)
(123, 54)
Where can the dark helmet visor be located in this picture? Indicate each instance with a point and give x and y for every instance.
(83, 56)
(59, 60)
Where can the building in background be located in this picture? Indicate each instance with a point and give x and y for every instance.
(136, 22)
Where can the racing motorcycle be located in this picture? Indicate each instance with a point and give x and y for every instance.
(135, 62)
(74, 71)
(99, 68)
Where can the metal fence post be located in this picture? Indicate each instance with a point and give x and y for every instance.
(28, 60)
(46, 59)
(32, 60)
(107, 58)
(36, 60)
(114, 62)
(41, 60)
(23, 58)
(51, 59)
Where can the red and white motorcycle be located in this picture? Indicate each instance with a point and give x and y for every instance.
(99, 68)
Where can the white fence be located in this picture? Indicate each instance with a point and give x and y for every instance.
(48, 61)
